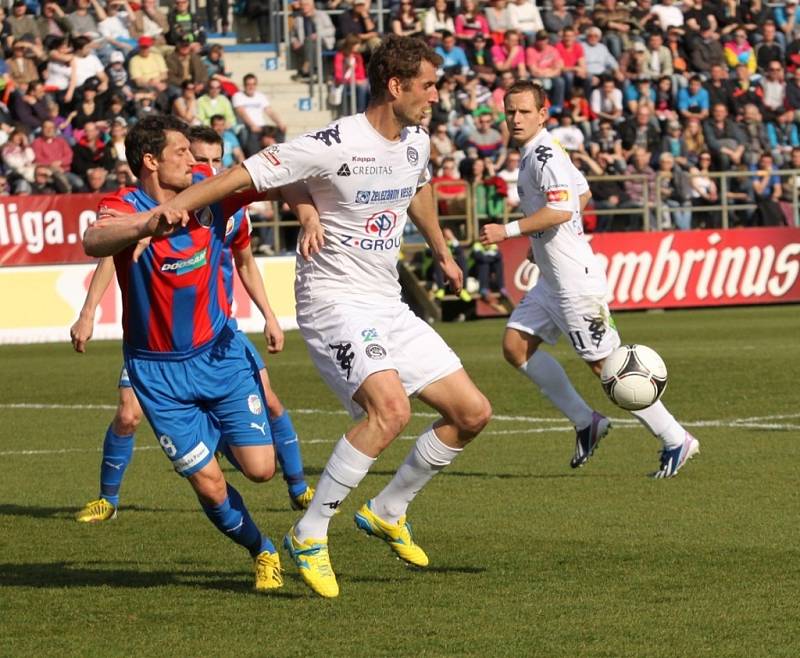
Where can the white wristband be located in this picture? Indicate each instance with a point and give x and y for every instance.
(513, 230)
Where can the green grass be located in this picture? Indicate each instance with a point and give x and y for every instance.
(527, 557)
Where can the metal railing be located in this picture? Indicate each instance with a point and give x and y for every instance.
(466, 220)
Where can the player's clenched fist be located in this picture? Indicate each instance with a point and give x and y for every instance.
(164, 221)
(492, 234)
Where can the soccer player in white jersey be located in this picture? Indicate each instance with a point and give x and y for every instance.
(366, 175)
(569, 297)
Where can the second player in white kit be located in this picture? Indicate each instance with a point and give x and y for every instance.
(569, 296)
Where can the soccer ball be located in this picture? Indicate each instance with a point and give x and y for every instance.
(634, 377)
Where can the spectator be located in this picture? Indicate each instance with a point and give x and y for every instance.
(442, 146)
(674, 143)
(665, 107)
(641, 133)
(116, 108)
(757, 141)
(406, 21)
(115, 147)
(45, 183)
(705, 50)
(783, 138)
(743, 91)
(768, 47)
(491, 276)
(348, 68)
(90, 107)
(89, 151)
(582, 19)
(214, 103)
(22, 24)
(633, 64)
(30, 108)
(640, 92)
(717, 86)
(215, 64)
(150, 22)
(510, 55)
(545, 65)
(791, 190)
(793, 93)
(470, 22)
(667, 14)
(54, 152)
(308, 28)
(450, 190)
(525, 18)
(22, 63)
(499, 18)
(558, 18)
(510, 174)
(97, 181)
(739, 51)
(18, 161)
(479, 56)
(115, 27)
(487, 139)
(86, 64)
(118, 76)
(640, 191)
(53, 23)
(693, 102)
(183, 26)
(695, 140)
(358, 21)
(725, 139)
(184, 64)
(438, 20)
(767, 192)
(680, 58)
(581, 112)
(599, 60)
(574, 61)
(787, 19)
(231, 149)
(251, 106)
(749, 15)
(676, 191)
(59, 71)
(616, 22)
(82, 20)
(606, 101)
(454, 59)
(695, 12)
(774, 87)
(185, 106)
(567, 133)
(436, 271)
(658, 59)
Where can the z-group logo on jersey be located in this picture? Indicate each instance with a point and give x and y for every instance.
(381, 224)
(384, 196)
(184, 265)
(379, 228)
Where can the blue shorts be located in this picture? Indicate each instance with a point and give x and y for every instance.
(252, 351)
(191, 402)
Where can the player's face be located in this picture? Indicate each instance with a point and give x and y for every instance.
(175, 163)
(523, 117)
(416, 97)
(210, 154)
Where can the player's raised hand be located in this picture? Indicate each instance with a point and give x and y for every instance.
(452, 273)
(312, 238)
(273, 335)
(81, 332)
(165, 221)
(492, 234)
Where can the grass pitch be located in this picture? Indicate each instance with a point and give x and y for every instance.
(528, 558)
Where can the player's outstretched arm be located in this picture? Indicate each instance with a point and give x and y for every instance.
(81, 332)
(422, 211)
(115, 231)
(250, 275)
(541, 220)
(211, 190)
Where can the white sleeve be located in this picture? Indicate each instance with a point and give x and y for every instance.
(556, 177)
(281, 164)
(580, 181)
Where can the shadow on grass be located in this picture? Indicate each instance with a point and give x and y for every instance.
(37, 512)
(49, 575)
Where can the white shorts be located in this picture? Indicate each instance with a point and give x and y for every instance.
(585, 320)
(349, 341)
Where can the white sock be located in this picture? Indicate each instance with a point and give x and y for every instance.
(344, 470)
(662, 424)
(547, 373)
(428, 456)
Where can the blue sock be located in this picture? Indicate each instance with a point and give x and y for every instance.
(287, 448)
(232, 519)
(117, 454)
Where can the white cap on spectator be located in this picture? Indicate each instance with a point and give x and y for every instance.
(117, 56)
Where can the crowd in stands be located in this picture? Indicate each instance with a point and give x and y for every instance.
(665, 93)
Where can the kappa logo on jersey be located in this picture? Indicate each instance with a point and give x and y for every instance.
(329, 135)
(182, 266)
(270, 154)
(543, 154)
(381, 224)
(557, 194)
(344, 170)
(384, 196)
(375, 351)
(344, 356)
(205, 217)
(597, 329)
(412, 154)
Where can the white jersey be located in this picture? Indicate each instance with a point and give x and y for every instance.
(547, 177)
(362, 185)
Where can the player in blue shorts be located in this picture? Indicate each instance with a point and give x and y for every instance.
(191, 372)
(206, 148)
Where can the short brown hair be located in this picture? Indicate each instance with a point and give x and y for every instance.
(526, 86)
(398, 57)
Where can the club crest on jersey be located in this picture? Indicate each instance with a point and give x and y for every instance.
(381, 224)
(205, 217)
(182, 266)
(270, 154)
(412, 154)
(254, 404)
(375, 351)
(557, 194)
(229, 226)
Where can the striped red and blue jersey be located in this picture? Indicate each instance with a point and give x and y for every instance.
(237, 238)
(175, 299)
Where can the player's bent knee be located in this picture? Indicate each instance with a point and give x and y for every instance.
(391, 418)
(210, 487)
(127, 420)
(477, 416)
(516, 350)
